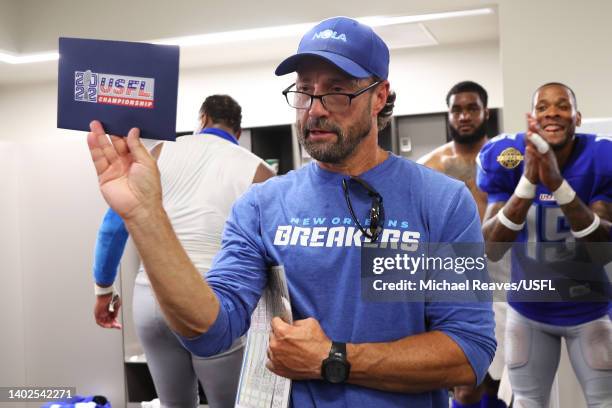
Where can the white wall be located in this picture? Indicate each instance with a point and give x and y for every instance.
(61, 208)
(12, 342)
(420, 76)
(423, 76)
(555, 40)
(30, 112)
(49, 214)
(10, 13)
(602, 126)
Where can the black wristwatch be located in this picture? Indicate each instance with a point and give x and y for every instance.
(335, 368)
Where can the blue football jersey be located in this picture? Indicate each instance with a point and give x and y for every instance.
(589, 172)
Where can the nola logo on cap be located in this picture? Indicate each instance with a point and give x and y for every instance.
(325, 34)
(111, 89)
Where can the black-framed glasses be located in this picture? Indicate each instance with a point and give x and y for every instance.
(335, 102)
(377, 211)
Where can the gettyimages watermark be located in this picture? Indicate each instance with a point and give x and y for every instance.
(474, 272)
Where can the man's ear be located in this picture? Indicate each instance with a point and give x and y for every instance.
(203, 120)
(381, 95)
(578, 118)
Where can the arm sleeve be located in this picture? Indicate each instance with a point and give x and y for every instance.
(110, 245)
(469, 324)
(498, 183)
(602, 190)
(238, 277)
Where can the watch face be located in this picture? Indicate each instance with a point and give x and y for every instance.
(335, 371)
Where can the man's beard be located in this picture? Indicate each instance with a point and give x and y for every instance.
(469, 138)
(333, 152)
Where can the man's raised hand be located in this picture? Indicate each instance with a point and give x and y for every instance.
(540, 158)
(127, 174)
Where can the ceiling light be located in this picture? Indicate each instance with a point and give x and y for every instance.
(28, 58)
(385, 21)
(261, 33)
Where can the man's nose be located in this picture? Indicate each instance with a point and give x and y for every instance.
(551, 111)
(464, 116)
(317, 109)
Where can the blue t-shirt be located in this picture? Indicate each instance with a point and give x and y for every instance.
(589, 172)
(301, 221)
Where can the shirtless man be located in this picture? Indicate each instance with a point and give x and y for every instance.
(467, 120)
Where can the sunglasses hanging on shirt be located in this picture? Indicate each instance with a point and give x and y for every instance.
(376, 213)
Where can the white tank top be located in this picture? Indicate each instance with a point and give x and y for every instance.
(202, 176)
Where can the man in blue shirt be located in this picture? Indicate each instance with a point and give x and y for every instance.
(341, 351)
(551, 185)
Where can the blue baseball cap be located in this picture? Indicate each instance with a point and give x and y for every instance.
(351, 46)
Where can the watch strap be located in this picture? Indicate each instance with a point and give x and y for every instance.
(338, 349)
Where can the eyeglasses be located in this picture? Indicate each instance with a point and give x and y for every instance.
(334, 102)
(377, 211)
